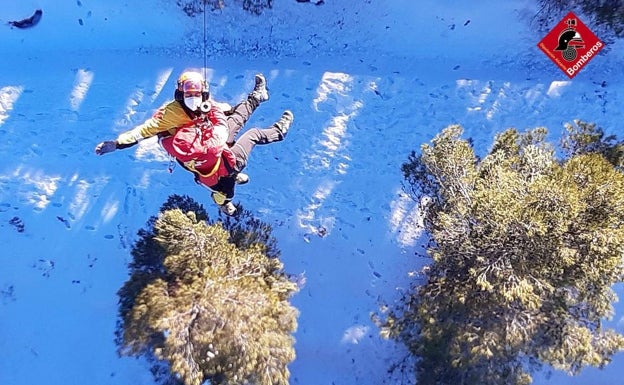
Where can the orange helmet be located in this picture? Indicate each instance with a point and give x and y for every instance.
(191, 81)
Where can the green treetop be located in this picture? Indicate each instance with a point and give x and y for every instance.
(213, 310)
(525, 250)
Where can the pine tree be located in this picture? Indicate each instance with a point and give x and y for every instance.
(196, 7)
(525, 250)
(208, 309)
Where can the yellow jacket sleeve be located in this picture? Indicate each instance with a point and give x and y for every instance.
(168, 117)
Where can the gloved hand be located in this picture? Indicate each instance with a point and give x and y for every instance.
(105, 147)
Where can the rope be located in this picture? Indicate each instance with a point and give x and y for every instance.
(205, 56)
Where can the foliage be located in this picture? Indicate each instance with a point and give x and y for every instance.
(196, 7)
(199, 307)
(148, 257)
(257, 6)
(606, 17)
(245, 231)
(583, 137)
(525, 249)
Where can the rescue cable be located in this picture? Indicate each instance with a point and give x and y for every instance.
(205, 55)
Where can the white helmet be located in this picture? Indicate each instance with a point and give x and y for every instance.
(191, 81)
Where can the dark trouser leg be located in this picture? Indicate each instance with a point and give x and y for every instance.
(238, 116)
(247, 142)
(225, 185)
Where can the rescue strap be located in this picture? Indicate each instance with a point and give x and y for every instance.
(191, 166)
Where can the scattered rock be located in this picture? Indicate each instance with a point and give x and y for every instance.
(17, 223)
(28, 22)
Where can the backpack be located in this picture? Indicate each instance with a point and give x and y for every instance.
(197, 149)
(200, 146)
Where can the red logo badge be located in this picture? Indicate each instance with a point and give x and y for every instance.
(570, 45)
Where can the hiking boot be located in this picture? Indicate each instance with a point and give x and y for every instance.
(284, 123)
(241, 178)
(228, 208)
(260, 92)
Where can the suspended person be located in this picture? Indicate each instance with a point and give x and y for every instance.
(185, 109)
(222, 174)
(192, 108)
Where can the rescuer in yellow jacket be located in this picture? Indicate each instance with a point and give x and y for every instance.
(192, 107)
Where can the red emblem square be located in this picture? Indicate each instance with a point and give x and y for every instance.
(570, 45)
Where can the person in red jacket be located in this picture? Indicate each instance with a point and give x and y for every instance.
(223, 189)
(192, 106)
